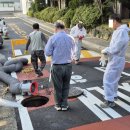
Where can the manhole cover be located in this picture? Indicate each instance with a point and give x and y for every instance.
(35, 101)
(75, 92)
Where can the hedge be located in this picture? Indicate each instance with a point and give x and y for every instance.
(59, 14)
(89, 15)
(68, 17)
(48, 14)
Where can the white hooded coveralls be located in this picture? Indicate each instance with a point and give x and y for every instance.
(75, 32)
(116, 53)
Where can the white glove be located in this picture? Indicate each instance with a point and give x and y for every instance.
(103, 60)
(103, 51)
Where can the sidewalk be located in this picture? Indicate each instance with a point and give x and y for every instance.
(91, 43)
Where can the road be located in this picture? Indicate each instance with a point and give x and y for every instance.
(85, 112)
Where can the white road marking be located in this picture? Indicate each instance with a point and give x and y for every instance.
(18, 52)
(100, 69)
(94, 54)
(94, 108)
(126, 74)
(103, 70)
(119, 102)
(97, 101)
(23, 112)
(125, 87)
(39, 24)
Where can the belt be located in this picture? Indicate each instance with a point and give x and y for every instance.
(62, 64)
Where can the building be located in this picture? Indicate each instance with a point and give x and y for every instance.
(25, 4)
(10, 5)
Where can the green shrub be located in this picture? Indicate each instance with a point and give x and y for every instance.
(37, 15)
(30, 13)
(67, 17)
(105, 31)
(77, 17)
(59, 14)
(48, 14)
(89, 15)
(73, 4)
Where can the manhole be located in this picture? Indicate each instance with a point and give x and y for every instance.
(75, 92)
(35, 101)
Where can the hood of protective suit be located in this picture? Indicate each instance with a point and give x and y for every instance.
(124, 26)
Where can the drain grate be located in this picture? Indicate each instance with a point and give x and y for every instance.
(35, 101)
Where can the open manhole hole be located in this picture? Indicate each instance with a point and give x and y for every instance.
(35, 101)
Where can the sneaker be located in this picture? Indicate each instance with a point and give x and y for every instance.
(65, 108)
(58, 108)
(107, 104)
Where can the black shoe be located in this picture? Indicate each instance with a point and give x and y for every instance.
(115, 98)
(107, 104)
(39, 73)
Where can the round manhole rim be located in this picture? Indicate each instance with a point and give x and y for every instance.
(35, 101)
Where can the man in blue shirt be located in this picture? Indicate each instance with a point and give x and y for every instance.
(61, 47)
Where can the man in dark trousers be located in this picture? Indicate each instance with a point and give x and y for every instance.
(37, 40)
(61, 47)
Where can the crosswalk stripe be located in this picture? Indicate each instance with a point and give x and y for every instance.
(94, 100)
(119, 102)
(125, 87)
(94, 108)
(102, 69)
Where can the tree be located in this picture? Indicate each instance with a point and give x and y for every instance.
(39, 5)
(104, 7)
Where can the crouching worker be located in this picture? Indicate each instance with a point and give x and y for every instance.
(78, 32)
(61, 47)
(37, 40)
(116, 60)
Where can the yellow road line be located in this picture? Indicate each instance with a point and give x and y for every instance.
(86, 54)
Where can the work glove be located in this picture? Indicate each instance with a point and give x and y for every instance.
(103, 60)
(26, 52)
(81, 37)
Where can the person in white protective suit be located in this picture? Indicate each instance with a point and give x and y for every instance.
(116, 61)
(78, 32)
(4, 29)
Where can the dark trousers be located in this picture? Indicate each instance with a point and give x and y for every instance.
(61, 75)
(35, 55)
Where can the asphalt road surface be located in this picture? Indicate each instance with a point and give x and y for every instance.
(85, 112)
